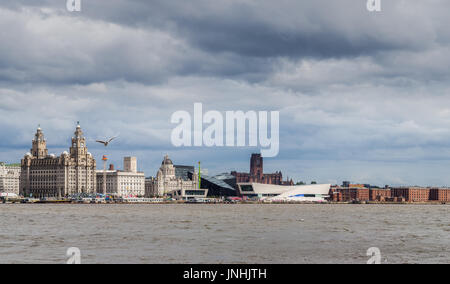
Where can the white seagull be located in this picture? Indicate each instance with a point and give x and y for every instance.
(106, 142)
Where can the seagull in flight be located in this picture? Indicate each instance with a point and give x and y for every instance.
(106, 142)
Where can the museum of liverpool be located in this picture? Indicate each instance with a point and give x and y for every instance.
(283, 193)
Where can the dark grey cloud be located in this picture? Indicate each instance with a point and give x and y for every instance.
(356, 91)
(152, 41)
(290, 28)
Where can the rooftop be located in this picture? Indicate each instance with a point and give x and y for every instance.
(9, 165)
(218, 182)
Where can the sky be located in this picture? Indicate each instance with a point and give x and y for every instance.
(362, 96)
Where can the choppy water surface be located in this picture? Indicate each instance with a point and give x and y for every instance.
(224, 233)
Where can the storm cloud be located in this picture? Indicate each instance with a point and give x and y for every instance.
(362, 96)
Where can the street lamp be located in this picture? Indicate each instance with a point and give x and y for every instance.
(105, 159)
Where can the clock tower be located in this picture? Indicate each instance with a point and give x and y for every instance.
(78, 148)
(39, 145)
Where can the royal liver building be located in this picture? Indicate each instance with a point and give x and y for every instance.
(45, 175)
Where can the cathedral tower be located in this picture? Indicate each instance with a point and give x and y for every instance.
(256, 168)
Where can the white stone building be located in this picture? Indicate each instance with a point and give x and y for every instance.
(166, 183)
(44, 175)
(9, 178)
(126, 183)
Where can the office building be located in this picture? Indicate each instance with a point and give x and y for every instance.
(9, 178)
(128, 182)
(167, 183)
(45, 175)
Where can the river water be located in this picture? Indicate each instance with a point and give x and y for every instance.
(241, 233)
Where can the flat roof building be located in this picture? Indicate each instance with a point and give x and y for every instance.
(220, 185)
(411, 194)
(283, 193)
(9, 178)
(440, 194)
(350, 192)
(126, 183)
(379, 194)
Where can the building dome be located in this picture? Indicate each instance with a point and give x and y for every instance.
(65, 153)
(89, 154)
(28, 154)
(52, 156)
(167, 161)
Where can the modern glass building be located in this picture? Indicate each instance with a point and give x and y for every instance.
(218, 186)
(183, 172)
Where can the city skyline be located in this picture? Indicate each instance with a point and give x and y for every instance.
(116, 161)
(360, 97)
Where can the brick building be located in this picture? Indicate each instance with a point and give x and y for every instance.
(440, 194)
(411, 194)
(257, 174)
(379, 194)
(335, 195)
(354, 192)
(357, 192)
